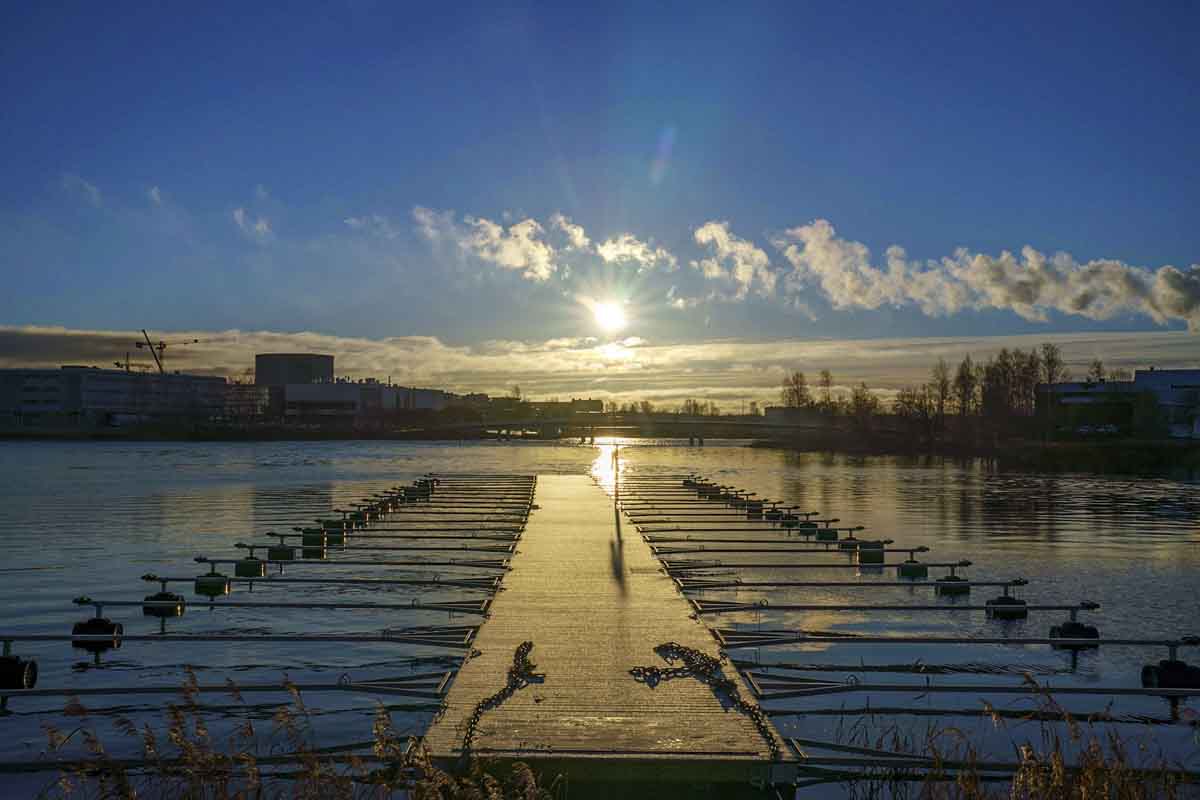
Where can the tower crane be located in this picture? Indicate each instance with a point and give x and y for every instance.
(156, 348)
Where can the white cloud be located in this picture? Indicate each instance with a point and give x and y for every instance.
(519, 247)
(1029, 285)
(375, 224)
(628, 249)
(577, 238)
(736, 262)
(76, 185)
(257, 229)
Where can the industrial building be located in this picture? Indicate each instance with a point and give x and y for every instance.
(365, 398)
(282, 369)
(1157, 402)
(92, 396)
(565, 408)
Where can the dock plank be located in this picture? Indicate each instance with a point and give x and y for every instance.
(595, 604)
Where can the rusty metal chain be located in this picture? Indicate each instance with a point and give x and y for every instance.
(520, 675)
(703, 667)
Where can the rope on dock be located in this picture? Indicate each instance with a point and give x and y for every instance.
(520, 675)
(705, 668)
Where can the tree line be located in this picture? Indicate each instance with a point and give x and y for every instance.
(977, 396)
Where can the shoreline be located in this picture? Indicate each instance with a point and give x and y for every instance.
(1112, 456)
(1119, 456)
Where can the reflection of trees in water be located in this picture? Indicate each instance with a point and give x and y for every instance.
(1047, 506)
(965, 499)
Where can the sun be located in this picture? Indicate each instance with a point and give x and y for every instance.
(609, 316)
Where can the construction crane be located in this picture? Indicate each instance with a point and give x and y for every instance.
(128, 367)
(156, 348)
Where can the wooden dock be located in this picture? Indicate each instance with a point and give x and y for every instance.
(593, 600)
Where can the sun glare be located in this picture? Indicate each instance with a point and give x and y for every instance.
(609, 316)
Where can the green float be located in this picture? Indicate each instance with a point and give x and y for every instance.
(160, 607)
(870, 552)
(212, 585)
(281, 552)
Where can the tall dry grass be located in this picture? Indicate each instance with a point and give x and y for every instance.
(186, 762)
(1070, 760)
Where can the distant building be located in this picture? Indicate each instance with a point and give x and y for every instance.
(87, 395)
(247, 401)
(323, 400)
(413, 399)
(1156, 402)
(353, 399)
(281, 369)
(563, 408)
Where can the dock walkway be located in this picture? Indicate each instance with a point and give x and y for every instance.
(595, 604)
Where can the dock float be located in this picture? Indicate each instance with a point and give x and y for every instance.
(586, 590)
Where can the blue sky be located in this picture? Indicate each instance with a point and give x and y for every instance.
(266, 169)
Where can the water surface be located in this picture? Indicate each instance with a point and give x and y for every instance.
(90, 518)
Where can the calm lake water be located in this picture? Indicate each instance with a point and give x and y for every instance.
(90, 518)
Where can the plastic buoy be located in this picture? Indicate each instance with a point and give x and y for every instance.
(98, 626)
(1171, 674)
(212, 585)
(870, 552)
(951, 586)
(164, 611)
(1074, 630)
(912, 569)
(18, 673)
(1006, 607)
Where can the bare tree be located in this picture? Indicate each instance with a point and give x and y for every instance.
(965, 384)
(939, 388)
(1028, 375)
(864, 406)
(1096, 373)
(826, 386)
(795, 392)
(1053, 370)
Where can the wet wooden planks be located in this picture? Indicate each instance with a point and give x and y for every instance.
(595, 605)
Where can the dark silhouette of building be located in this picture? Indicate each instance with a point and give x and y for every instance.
(281, 369)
